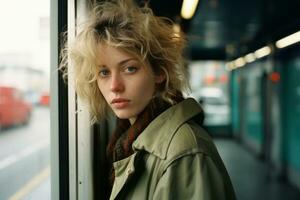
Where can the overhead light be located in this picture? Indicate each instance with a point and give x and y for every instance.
(289, 40)
(229, 66)
(188, 8)
(249, 57)
(264, 51)
(239, 62)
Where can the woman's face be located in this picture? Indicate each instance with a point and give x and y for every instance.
(126, 84)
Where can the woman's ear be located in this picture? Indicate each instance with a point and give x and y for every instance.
(160, 78)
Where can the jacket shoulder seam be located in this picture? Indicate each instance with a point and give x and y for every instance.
(190, 133)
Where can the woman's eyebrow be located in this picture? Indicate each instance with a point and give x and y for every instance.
(120, 63)
(125, 61)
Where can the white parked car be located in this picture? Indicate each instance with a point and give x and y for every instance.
(215, 105)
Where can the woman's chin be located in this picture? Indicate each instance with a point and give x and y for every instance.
(123, 115)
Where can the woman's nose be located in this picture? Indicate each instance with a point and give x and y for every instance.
(117, 84)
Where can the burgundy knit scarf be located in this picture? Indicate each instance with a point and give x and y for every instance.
(125, 134)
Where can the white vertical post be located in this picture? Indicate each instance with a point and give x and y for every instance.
(72, 115)
(85, 138)
(80, 134)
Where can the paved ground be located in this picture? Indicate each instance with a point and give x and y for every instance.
(250, 175)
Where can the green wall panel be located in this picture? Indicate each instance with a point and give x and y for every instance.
(253, 115)
(291, 107)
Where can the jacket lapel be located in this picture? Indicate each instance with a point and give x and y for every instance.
(124, 169)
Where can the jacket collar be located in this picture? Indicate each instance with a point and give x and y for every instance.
(157, 136)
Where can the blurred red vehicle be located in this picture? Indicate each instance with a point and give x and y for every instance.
(13, 108)
(45, 99)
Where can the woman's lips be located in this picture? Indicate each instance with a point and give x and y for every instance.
(120, 103)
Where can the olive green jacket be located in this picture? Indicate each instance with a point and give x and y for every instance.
(174, 159)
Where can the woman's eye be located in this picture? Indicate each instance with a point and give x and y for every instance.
(104, 73)
(131, 69)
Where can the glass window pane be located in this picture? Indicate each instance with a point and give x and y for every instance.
(24, 99)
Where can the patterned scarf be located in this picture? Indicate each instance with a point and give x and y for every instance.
(125, 134)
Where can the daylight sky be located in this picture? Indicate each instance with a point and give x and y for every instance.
(19, 23)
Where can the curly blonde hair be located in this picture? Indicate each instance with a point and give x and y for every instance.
(132, 29)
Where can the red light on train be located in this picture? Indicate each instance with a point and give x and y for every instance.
(275, 77)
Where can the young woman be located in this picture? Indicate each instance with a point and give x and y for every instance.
(128, 61)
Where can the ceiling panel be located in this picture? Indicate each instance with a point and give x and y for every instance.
(225, 29)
